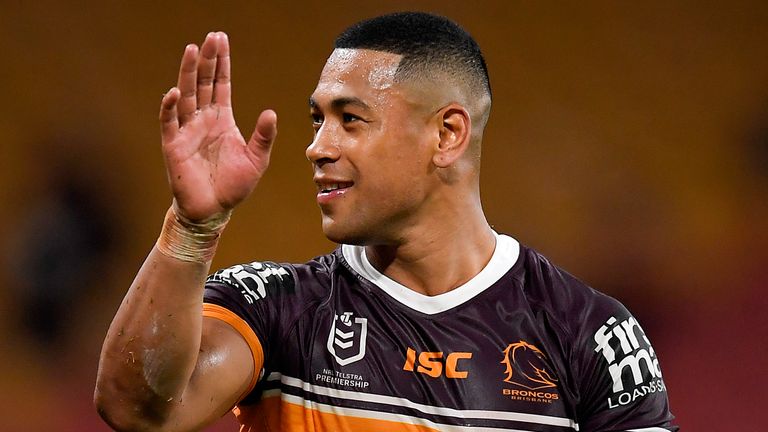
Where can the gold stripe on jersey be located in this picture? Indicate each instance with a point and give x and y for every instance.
(290, 413)
(274, 413)
(395, 401)
(229, 317)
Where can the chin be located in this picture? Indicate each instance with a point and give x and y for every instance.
(340, 237)
(342, 234)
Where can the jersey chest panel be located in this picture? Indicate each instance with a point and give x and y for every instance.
(486, 355)
(527, 347)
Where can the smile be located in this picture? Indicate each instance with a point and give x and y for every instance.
(330, 187)
(328, 191)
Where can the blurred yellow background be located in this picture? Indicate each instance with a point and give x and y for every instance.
(628, 142)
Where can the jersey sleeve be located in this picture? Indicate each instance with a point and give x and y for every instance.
(248, 297)
(621, 384)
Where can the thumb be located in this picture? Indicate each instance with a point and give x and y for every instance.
(265, 132)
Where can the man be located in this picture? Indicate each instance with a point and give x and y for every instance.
(424, 318)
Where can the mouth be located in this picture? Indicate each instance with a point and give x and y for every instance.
(329, 190)
(332, 187)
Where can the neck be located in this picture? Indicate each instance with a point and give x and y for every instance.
(437, 260)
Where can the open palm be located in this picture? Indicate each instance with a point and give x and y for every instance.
(211, 168)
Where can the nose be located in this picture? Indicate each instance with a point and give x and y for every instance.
(324, 147)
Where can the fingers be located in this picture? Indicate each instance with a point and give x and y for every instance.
(187, 83)
(222, 94)
(169, 118)
(206, 68)
(265, 132)
(204, 76)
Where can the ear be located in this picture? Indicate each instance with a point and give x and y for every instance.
(455, 131)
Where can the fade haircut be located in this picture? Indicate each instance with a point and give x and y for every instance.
(428, 44)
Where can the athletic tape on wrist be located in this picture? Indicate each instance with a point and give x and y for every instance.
(190, 241)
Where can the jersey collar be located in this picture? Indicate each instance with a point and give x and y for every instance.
(505, 256)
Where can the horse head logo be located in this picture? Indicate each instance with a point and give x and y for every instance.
(526, 367)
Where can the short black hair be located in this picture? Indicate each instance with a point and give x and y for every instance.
(427, 42)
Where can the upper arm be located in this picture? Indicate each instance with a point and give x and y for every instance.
(240, 320)
(225, 371)
(621, 387)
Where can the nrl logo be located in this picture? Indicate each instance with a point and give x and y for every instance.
(346, 341)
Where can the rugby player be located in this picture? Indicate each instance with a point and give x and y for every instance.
(424, 318)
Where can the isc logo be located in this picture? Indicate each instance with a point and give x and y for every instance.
(431, 363)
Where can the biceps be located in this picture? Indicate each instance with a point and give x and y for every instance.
(224, 373)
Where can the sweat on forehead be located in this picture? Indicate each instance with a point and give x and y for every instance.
(379, 69)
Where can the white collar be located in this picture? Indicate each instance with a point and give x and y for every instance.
(505, 256)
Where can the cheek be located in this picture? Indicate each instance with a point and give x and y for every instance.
(394, 159)
(407, 141)
(401, 174)
(412, 155)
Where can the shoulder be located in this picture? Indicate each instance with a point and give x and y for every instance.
(260, 280)
(255, 278)
(576, 312)
(612, 363)
(563, 294)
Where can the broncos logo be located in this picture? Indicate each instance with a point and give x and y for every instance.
(525, 367)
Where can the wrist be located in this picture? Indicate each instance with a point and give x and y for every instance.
(190, 241)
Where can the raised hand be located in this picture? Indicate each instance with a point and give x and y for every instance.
(210, 166)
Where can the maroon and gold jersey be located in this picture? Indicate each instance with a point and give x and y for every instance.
(523, 346)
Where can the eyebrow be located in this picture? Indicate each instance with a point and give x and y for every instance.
(341, 102)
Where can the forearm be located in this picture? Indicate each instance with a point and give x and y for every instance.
(151, 359)
(152, 346)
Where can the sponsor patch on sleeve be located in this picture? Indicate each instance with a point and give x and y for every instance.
(256, 280)
(632, 363)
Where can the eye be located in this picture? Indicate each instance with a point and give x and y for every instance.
(349, 118)
(317, 120)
